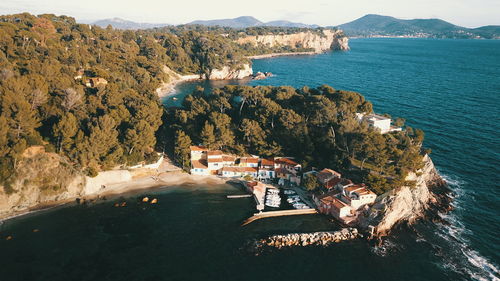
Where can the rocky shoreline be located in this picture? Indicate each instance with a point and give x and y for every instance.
(430, 197)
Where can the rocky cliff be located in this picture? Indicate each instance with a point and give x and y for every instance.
(229, 73)
(329, 40)
(44, 179)
(41, 177)
(407, 204)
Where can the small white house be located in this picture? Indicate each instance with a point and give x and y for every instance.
(378, 122)
(249, 162)
(358, 196)
(198, 152)
(266, 174)
(199, 167)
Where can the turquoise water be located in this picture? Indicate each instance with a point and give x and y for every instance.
(449, 88)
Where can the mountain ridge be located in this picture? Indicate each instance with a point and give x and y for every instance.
(372, 25)
(238, 22)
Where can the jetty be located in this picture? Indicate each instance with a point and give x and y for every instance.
(280, 213)
(322, 238)
(239, 196)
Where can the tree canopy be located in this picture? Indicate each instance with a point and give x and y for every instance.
(318, 126)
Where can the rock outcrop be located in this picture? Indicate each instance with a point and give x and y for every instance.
(228, 73)
(225, 73)
(406, 204)
(329, 39)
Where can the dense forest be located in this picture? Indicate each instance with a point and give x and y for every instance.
(88, 93)
(317, 126)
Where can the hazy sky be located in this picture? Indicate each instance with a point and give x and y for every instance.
(469, 13)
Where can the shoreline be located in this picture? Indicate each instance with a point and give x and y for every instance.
(168, 88)
(134, 186)
(272, 55)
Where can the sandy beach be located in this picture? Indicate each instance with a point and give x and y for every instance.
(167, 89)
(134, 186)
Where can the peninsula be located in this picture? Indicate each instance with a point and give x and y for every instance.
(80, 117)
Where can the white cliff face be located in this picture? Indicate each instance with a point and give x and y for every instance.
(227, 73)
(95, 184)
(340, 44)
(407, 204)
(330, 40)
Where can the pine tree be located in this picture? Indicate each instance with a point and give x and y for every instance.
(182, 149)
(207, 135)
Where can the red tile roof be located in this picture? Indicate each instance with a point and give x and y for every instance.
(353, 188)
(282, 171)
(286, 161)
(197, 148)
(200, 164)
(266, 162)
(214, 152)
(215, 160)
(332, 183)
(239, 169)
(249, 160)
(364, 191)
(228, 158)
(333, 201)
(327, 174)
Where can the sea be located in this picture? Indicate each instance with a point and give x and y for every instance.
(448, 88)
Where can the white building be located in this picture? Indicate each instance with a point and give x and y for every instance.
(249, 162)
(378, 122)
(358, 196)
(199, 167)
(266, 174)
(198, 152)
(288, 164)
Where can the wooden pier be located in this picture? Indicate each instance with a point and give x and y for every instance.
(281, 213)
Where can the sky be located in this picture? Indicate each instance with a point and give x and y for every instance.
(468, 13)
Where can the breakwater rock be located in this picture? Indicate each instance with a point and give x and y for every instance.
(322, 238)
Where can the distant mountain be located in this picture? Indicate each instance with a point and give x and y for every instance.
(239, 22)
(119, 23)
(377, 25)
(489, 31)
(285, 23)
(246, 21)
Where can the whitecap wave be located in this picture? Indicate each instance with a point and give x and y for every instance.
(385, 248)
(475, 266)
